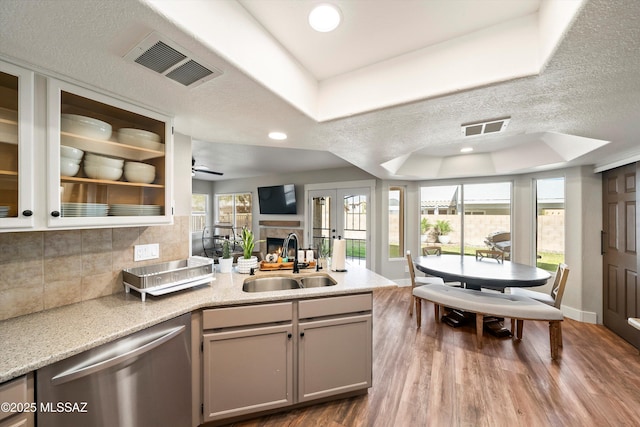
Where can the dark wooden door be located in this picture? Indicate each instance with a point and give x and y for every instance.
(619, 244)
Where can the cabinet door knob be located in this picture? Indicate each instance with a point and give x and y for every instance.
(289, 335)
(55, 214)
(27, 212)
(301, 334)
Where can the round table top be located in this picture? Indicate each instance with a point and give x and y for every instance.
(486, 272)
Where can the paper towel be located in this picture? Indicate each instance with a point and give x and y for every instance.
(338, 259)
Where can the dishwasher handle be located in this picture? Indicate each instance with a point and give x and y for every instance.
(79, 372)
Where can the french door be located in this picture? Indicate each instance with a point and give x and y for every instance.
(341, 213)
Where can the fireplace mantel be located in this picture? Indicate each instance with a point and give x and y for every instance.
(292, 224)
(280, 230)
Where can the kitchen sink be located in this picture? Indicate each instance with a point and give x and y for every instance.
(317, 281)
(266, 284)
(282, 283)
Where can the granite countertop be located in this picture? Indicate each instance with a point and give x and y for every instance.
(36, 340)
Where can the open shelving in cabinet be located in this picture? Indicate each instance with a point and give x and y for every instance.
(17, 171)
(9, 152)
(95, 200)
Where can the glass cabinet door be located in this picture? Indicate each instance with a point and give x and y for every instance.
(16, 147)
(107, 161)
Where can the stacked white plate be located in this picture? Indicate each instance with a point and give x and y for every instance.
(4, 211)
(85, 126)
(70, 158)
(139, 172)
(84, 209)
(103, 167)
(140, 138)
(135, 210)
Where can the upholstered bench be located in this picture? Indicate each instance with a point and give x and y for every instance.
(482, 303)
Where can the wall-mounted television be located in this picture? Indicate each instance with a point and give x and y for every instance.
(277, 199)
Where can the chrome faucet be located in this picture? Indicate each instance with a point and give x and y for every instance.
(285, 251)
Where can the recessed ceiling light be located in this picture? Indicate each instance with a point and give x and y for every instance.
(278, 136)
(466, 149)
(325, 17)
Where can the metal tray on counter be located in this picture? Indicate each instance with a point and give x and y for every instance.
(160, 279)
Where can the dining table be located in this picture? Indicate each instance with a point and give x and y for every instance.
(483, 273)
(476, 273)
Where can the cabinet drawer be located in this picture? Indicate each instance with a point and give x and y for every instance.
(335, 305)
(247, 315)
(15, 391)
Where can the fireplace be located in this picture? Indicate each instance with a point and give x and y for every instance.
(273, 233)
(274, 245)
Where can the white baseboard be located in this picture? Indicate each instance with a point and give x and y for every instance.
(579, 315)
(402, 282)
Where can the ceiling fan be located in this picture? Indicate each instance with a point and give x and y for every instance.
(203, 169)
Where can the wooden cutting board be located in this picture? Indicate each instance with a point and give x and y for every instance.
(270, 266)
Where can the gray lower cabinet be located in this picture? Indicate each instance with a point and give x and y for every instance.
(19, 394)
(334, 356)
(334, 345)
(248, 359)
(269, 356)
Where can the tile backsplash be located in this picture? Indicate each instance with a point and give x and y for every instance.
(46, 269)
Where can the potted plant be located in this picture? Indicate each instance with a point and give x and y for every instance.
(226, 262)
(246, 262)
(425, 227)
(442, 229)
(324, 253)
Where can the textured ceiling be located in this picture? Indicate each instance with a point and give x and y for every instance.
(589, 89)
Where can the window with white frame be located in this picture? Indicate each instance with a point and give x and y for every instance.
(396, 222)
(234, 209)
(199, 208)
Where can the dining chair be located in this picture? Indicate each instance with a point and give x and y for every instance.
(418, 281)
(491, 254)
(432, 250)
(494, 255)
(437, 251)
(553, 298)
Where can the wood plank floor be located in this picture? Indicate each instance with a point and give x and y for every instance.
(435, 376)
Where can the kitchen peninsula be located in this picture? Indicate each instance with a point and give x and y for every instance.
(40, 339)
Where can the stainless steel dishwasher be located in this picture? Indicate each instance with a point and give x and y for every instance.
(140, 380)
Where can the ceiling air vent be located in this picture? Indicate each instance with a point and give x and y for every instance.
(165, 57)
(485, 127)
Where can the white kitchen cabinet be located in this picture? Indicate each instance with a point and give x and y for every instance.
(268, 356)
(34, 195)
(19, 394)
(81, 201)
(16, 147)
(248, 360)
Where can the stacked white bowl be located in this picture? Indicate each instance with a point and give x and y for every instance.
(103, 167)
(70, 158)
(139, 138)
(139, 172)
(85, 126)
